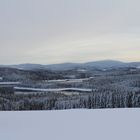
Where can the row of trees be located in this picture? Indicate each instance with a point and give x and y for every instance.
(60, 101)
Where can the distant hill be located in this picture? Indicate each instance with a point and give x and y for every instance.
(28, 66)
(14, 74)
(105, 64)
(95, 64)
(64, 66)
(69, 66)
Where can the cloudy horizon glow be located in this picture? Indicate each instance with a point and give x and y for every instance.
(52, 31)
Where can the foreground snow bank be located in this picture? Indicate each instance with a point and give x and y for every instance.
(114, 124)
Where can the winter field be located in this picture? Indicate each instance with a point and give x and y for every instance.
(114, 124)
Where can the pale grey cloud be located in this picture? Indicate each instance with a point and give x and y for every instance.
(52, 31)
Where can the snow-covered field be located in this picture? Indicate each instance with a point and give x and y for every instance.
(114, 124)
(80, 80)
(9, 83)
(53, 90)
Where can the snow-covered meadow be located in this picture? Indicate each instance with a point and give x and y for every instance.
(107, 124)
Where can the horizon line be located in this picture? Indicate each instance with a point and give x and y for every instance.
(69, 62)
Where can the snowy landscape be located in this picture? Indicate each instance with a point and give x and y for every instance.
(69, 70)
(103, 84)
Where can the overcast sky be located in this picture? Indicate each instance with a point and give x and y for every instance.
(55, 31)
